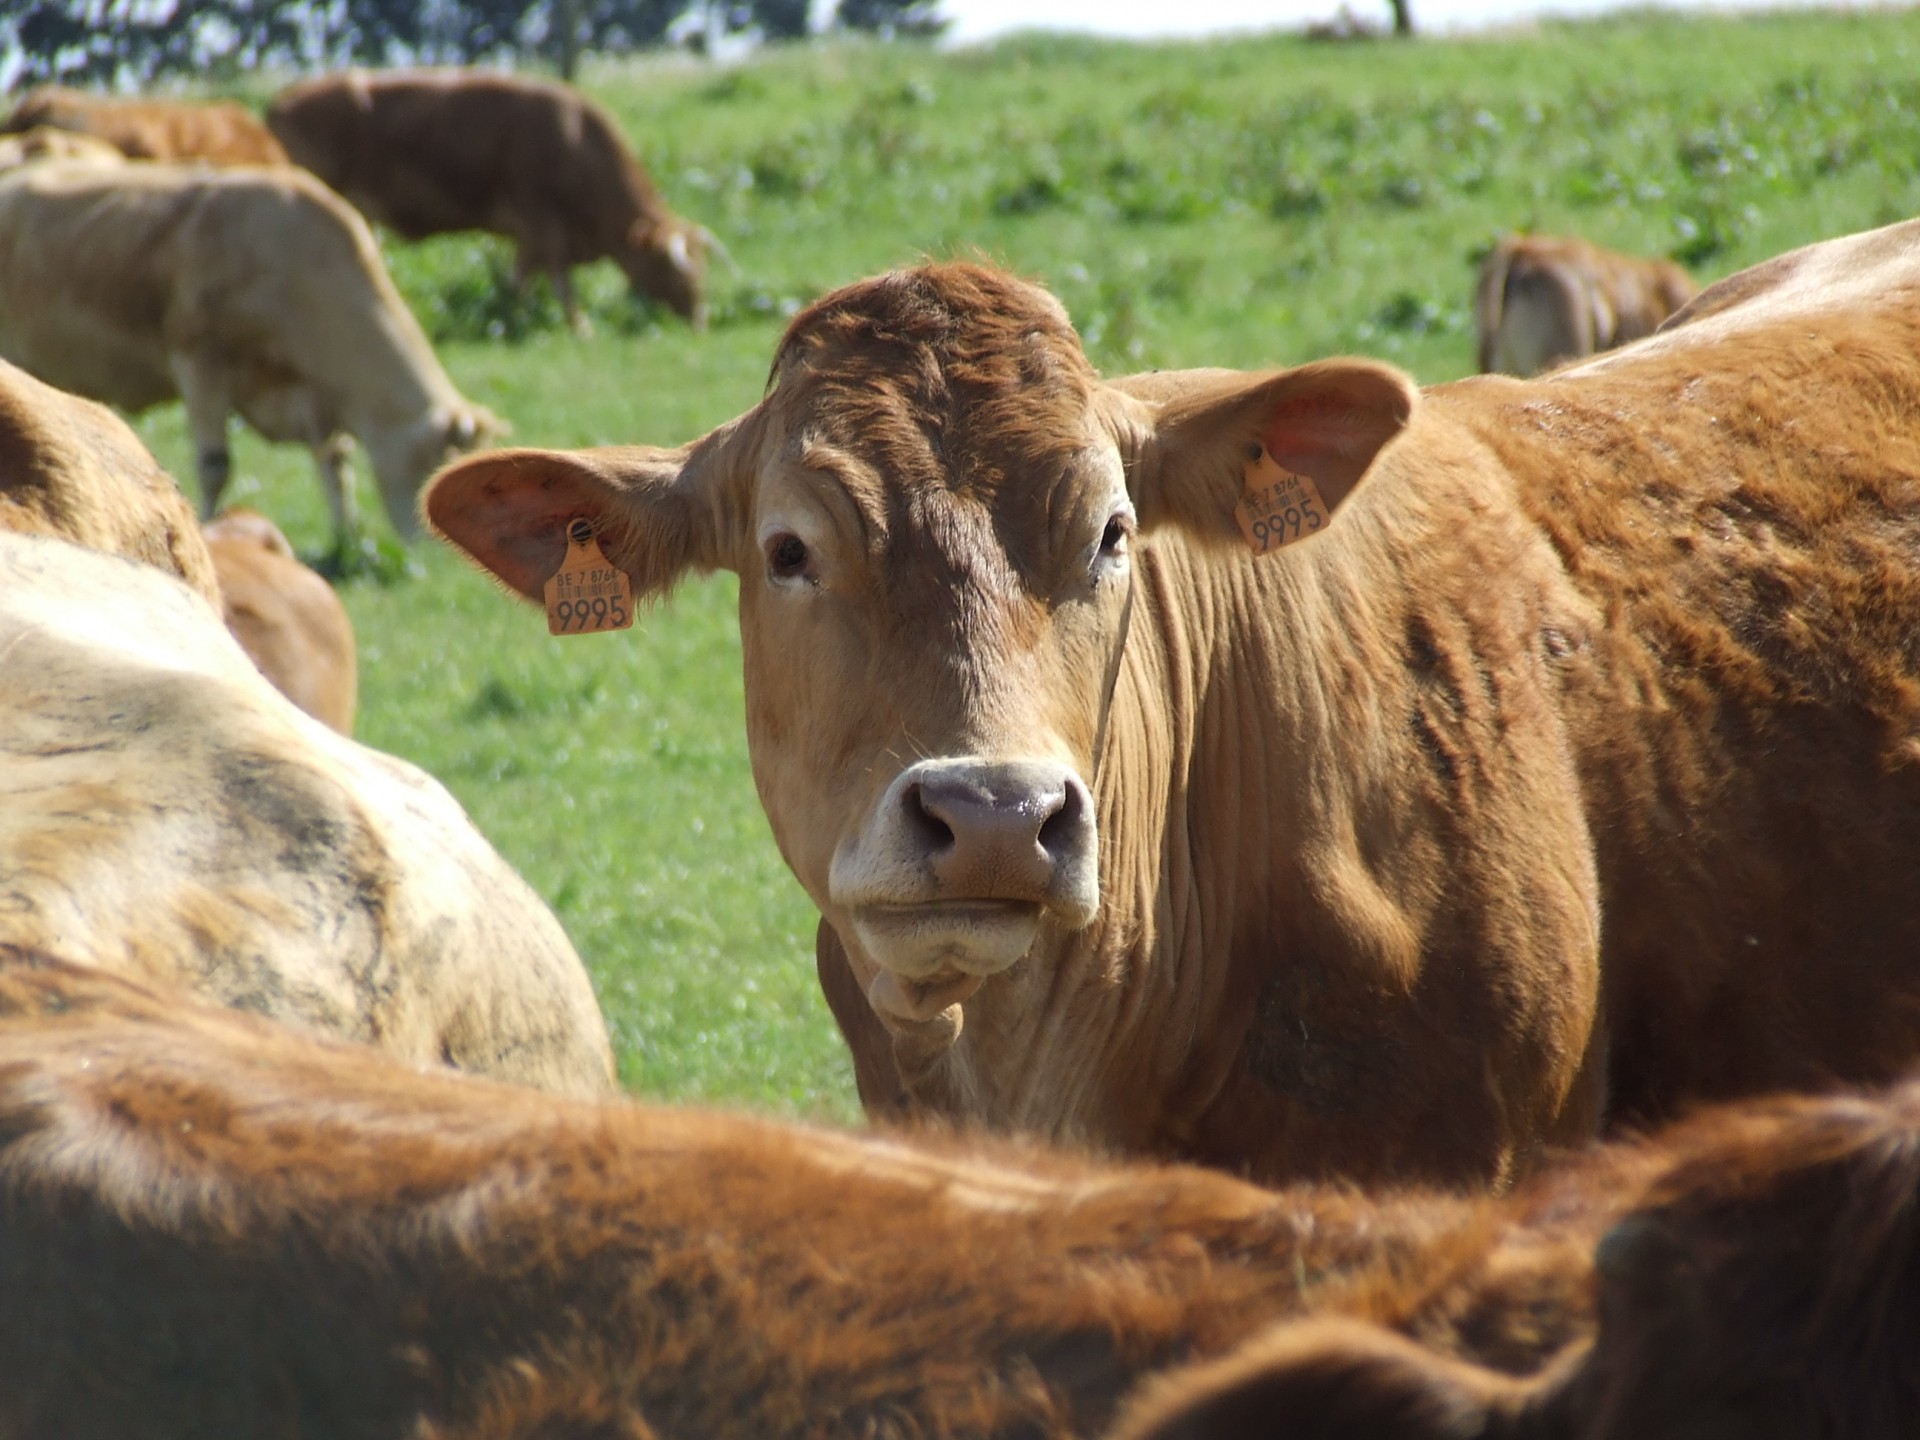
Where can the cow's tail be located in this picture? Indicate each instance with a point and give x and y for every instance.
(1490, 301)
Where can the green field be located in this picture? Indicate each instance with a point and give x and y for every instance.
(1245, 202)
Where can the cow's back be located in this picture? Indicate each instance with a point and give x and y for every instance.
(72, 469)
(427, 152)
(219, 132)
(1737, 507)
(168, 815)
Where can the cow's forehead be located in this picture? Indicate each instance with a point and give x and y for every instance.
(948, 377)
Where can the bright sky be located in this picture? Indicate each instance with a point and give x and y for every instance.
(978, 19)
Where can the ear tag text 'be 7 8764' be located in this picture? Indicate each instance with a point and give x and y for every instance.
(588, 593)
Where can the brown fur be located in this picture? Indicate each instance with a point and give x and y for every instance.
(246, 290)
(285, 616)
(1566, 777)
(1767, 1287)
(431, 151)
(1543, 300)
(72, 469)
(232, 1228)
(218, 132)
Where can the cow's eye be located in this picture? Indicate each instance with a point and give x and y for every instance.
(787, 557)
(1113, 540)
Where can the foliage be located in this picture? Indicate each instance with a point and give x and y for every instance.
(1253, 202)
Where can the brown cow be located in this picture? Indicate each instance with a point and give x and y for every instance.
(45, 142)
(229, 1228)
(1767, 1288)
(285, 616)
(438, 150)
(218, 132)
(245, 289)
(1566, 776)
(72, 469)
(1543, 300)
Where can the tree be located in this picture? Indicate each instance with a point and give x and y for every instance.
(919, 18)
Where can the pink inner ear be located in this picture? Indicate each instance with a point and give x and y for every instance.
(510, 513)
(1332, 430)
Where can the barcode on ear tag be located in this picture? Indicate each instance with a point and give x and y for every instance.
(1277, 507)
(588, 593)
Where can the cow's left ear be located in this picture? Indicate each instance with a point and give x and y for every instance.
(1328, 421)
(655, 512)
(1340, 1380)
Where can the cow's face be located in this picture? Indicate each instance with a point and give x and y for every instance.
(933, 516)
(669, 263)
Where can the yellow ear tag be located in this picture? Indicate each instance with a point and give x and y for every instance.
(1276, 506)
(588, 592)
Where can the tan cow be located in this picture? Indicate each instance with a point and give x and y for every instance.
(71, 468)
(1767, 1287)
(1543, 300)
(430, 151)
(1563, 773)
(250, 290)
(285, 616)
(165, 813)
(218, 132)
(229, 1228)
(45, 142)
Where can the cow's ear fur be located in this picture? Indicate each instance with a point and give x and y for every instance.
(1329, 421)
(654, 511)
(1331, 1380)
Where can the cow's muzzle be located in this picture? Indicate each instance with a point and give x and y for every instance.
(963, 859)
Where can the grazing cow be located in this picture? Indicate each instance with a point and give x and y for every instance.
(228, 1228)
(285, 616)
(250, 290)
(1767, 1287)
(1568, 775)
(1544, 300)
(72, 469)
(44, 142)
(165, 813)
(437, 150)
(218, 132)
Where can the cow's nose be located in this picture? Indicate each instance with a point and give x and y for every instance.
(1009, 830)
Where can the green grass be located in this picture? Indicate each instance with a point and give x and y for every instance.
(1247, 202)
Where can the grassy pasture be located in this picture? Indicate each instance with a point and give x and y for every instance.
(1248, 202)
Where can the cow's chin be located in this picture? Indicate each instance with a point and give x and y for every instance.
(931, 947)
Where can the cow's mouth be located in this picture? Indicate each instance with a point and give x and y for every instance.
(937, 944)
(917, 1003)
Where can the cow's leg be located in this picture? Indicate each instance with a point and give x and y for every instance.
(561, 274)
(208, 403)
(336, 482)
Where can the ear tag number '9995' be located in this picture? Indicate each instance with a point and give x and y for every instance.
(1276, 506)
(588, 592)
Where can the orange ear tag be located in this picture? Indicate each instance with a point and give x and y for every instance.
(588, 592)
(1277, 507)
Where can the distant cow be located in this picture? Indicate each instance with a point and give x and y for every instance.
(45, 142)
(250, 290)
(228, 1228)
(432, 151)
(285, 616)
(71, 468)
(1568, 775)
(219, 132)
(1767, 1288)
(1544, 300)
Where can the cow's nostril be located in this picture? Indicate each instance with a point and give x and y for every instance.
(933, 833)
(1061, 830)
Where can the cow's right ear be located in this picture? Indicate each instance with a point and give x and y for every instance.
(655, 512)
(1333, 1380)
